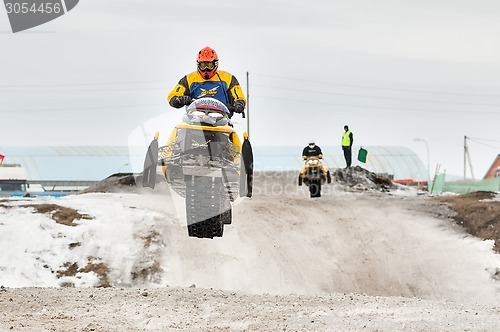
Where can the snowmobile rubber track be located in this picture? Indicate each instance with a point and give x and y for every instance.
(204, 202)
(315, 188)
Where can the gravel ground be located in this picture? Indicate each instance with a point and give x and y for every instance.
(360, 258)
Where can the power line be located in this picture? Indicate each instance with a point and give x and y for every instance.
(477, 141)
(377, 108)
(377, 87)
(484, 139)
(379, 97)
(94, 108)
(75, 84)
(81, 90)
(488, 145)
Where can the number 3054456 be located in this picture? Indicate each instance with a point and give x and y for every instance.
(25, 8)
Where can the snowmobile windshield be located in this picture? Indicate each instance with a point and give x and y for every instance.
(208, 104)
(313, 162)
(207, 111)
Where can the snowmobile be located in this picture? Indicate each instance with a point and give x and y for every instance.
(201, 161)
(313, 175)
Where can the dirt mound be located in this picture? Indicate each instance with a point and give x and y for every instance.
(352, 179)
(60, 214)
(93, 265)
(114, 183)
(359, 179)
(478, 213)
(121, 182)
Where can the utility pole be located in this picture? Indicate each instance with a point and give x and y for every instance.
(428, 165)
(467, 155)
(248, 106)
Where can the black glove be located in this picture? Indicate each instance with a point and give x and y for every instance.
(184, 100)
(239, 106)
(179, 101)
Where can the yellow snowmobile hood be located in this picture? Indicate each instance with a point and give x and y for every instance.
(229, 131)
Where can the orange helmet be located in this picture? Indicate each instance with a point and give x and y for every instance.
(208, 62)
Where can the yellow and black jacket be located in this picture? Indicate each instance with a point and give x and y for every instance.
(222, 86)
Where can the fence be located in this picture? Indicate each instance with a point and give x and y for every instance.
(440, 185)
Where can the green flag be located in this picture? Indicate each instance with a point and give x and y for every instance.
(362, 153)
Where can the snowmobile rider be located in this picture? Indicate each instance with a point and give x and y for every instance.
(312, 150)
(208, 81)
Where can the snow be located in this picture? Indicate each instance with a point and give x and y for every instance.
(39, 246)
(494, 199)
(347, 260)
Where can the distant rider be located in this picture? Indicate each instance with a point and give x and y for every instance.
(208, 81)
(312, 150)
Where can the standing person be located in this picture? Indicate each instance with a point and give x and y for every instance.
(208, 81)
(247, 154)
(347, 140)
(312, 150)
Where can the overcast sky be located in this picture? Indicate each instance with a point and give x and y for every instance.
(392, 70)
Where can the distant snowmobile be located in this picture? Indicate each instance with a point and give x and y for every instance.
(201, 161)
(313, 175)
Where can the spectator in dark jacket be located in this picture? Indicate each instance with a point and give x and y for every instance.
(247, 154)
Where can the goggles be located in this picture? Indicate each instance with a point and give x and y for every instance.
(207, 65)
